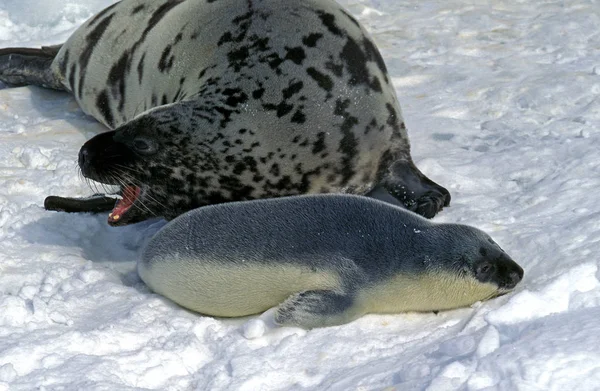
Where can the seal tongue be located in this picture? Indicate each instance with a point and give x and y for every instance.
(130, 194)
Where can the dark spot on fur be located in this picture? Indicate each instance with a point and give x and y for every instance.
(393, 121)
(91, 40)
(257, 94)
(166, 60)
(101, 14)
(356, 63)
(376, 84)
(160, 13)
(328, 21)
(323, 80)
(104, 108)
(296, 55)
(238, 57)
(292, 89)
(348, 146)
(71, 76)
(335, 68)
(319, 145)
(275, 171)
(140, 68)
(299, 117)
(239, 168)
(62, 67)
(234, 97)
(116, 79)
(225, 38)
(282, 108)
(312, 39)
(137, 9)
(373, 54)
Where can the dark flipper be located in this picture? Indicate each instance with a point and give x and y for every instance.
(97, 203)
(24, 66)
(381, 194)
(44, 51)
(318, 308)
(414, 190)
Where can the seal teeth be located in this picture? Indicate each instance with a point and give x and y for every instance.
(130, 195)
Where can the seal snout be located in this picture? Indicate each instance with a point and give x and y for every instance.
(96, 155)
(502, 271)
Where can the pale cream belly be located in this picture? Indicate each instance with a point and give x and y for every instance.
(426, 292)
(231, 291)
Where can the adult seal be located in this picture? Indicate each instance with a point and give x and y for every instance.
(227, 100)
(324, 259)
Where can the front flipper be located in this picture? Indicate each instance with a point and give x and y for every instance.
(381, 194)
(97, 203)
(318, 308)
(414, 190)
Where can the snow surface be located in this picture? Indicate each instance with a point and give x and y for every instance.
(502, 104)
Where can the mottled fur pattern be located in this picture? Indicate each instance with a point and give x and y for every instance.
(325, 259)
(227, 100)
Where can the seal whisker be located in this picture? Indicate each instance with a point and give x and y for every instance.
(93, 185)
(127, 180)
(136, 182)
(135, 204)
(127, 168)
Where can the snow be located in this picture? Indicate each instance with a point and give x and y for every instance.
(502, 104)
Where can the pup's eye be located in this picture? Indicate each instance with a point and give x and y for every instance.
(144, 146)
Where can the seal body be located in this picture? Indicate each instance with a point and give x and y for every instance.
(228, 100)
(324, 259)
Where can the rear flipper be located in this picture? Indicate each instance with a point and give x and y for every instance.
(24, 66)
(413, 189)
(318, 308)
(97, 203)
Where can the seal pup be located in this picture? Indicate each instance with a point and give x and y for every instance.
(226, 100)
(323, 259)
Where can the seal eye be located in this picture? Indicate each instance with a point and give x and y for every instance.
(144, 146)
(485, 271)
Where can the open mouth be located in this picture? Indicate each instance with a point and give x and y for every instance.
(130, 195)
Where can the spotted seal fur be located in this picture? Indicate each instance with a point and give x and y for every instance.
(324, 259)
(225, 100)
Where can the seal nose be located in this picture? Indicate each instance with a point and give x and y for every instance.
(92, 151)
(83, 156)
(514, 277)
(509, 273)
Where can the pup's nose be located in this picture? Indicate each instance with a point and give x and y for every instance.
(514, 277)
